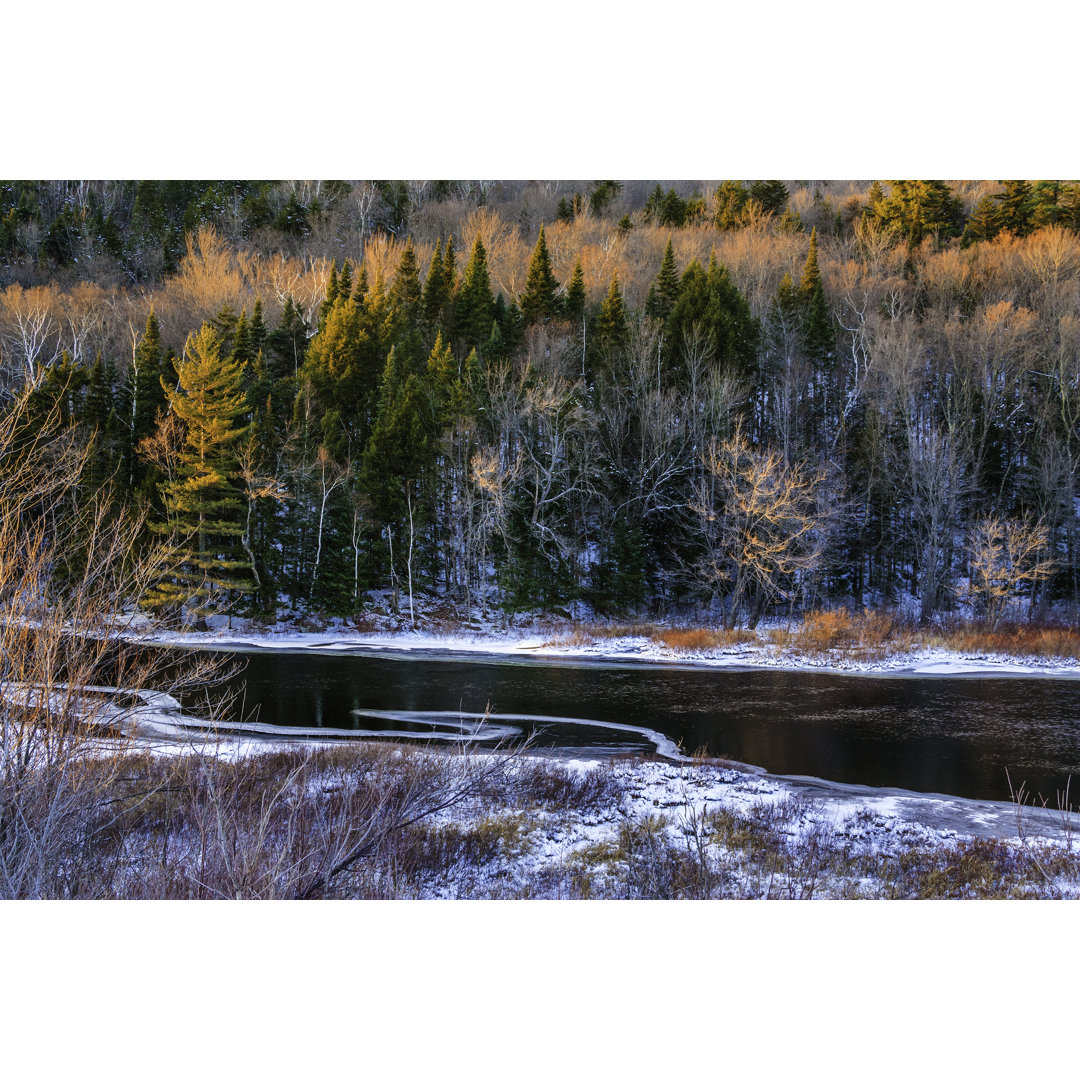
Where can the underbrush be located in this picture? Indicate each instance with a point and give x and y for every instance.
(868, 635)
(379, 821)
(1015, 639)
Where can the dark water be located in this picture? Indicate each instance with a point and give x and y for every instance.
(953, 735)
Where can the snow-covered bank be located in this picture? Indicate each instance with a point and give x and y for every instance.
(634, 828)
(630, 649)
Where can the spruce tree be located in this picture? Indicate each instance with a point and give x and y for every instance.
(770, 195)
(539, 301)
(257, 328)
(434, 297)
(345, 282)
(611, 325)
(406, 292)
(143, 400)
(331, 293)
(664, 291)
(574, 300)
(203, 503)
(1017, 209)
(819, 338)
(286, 344)
(984, 222)
(474, 309)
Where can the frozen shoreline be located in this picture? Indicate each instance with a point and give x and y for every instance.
(639, 650)
(944, 816)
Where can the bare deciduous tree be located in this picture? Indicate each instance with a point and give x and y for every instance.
(1006, 556)
(763, 522)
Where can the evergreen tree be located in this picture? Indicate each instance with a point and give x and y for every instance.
(574, 300)
(819, 338)
(1017, 208)
(331, 294)
(612, 328)
(287, 343)
(406, 292)
(539, 301)
(203, 503)
(1047, 203)
(435, 291)
(770, 195)
(918, 208)
(257, 328)
(345, 282)
(474, 309)
(984, 222)
(665, 289)
(143, 399)
(730, 205)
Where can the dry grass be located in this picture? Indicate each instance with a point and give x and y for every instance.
(1016, 639)
(868, 635)
(695, 640)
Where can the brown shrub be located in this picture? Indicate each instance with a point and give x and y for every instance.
(700, 639)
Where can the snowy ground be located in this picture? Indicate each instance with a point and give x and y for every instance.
(676, 798)
(540, 643)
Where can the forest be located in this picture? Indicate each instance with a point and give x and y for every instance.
(718, 400)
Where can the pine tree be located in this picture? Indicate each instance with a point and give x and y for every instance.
(143, 400)
(915, 209)
(819, 338)
(435, 291)
(1047, 203)
(1017, 209)
(406, 292)
(730, 202)
(475, 306)
(611, 325)
(203, 503)
(331, 293)
(984, 222)
(258, 328)
(287, 343)
(539, 301)
(345, 283)
(574, 300)
(770, 195)
(665, 289)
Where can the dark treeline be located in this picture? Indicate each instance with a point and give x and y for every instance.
(643, 397)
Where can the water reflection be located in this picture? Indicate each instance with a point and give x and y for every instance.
(951, 735)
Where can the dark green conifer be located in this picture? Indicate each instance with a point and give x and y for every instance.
(611, 325)
(434, 297)
(819, 338)
(257, 328)
(730, 205)
(286, 343)
(539, 301)
(406, 292)
(664, 291)
(1017, 209)
(345, 282)
(331, 293)
(574, 300)
(770, 195)
(984, 222)
(474, 308)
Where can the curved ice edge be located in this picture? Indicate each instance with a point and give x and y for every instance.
(665, 746)
(483, 727)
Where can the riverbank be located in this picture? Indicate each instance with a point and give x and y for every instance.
(771, 648)
(391, 822)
